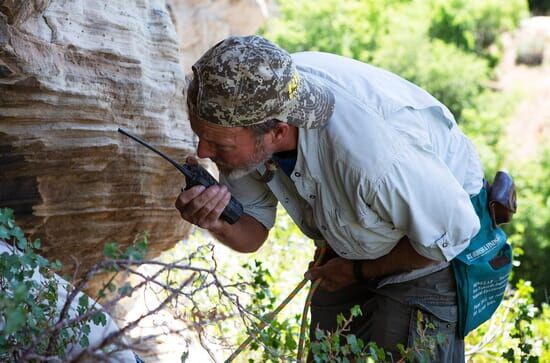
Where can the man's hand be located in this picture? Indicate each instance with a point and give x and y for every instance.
(203, 206)
(338, 272)
(335, 274)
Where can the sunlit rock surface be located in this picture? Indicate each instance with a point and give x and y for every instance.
(203, 23)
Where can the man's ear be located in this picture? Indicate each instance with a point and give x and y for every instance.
(280, 132)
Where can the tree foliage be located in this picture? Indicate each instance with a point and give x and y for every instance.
(30, 313)
(475, 26)
(446, 47)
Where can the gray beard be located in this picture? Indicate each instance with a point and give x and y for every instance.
(238, 173)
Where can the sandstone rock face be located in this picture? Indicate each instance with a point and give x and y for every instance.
(202, 23)
(71, 73)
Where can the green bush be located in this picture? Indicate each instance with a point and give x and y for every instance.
(475, 26)
(349, 28)
(449, 74)
(44, 317)
(485, 122)
(530, 230)
(389, 34)
(32, 321)
(515, 333)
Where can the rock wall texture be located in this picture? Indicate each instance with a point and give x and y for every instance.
(202, 23)
(71, 73)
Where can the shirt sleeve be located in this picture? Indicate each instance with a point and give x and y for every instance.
(419, 194)
(257, 199)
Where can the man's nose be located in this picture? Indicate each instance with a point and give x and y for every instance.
(205, 151)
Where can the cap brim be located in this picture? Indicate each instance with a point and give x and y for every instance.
(314, 106)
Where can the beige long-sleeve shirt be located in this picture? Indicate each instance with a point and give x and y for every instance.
(390, 162)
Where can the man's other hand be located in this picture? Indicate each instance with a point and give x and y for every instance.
(335, 274)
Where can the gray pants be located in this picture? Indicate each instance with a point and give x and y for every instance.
(390, 315)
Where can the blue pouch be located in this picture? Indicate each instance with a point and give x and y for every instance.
(481, 270)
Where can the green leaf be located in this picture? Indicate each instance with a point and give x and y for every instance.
(38, 312)
(401, 349)
(84, 342)
(41, 261)
(419, 316)
(99, 318)
(111, 250)
(6, 216)
(83, 301)
(373, 353)
(21, 241)
(353, 343)
(21, 291)
(316, 348)
(15, 319)
(86, 329)
(136, 252)
(125, 290)
(4, 234)
(340, 319)
(290, 342)
(319, 334)
(356, 311)
(56, 265)
(335, 341)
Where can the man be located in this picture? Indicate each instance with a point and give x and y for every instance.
(364, 160)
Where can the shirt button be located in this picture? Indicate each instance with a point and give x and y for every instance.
(445, 244)
(297, 174)
(311, 196)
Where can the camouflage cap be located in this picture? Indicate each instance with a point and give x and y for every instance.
(248, 80)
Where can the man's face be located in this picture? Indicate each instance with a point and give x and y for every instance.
(235, 150)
